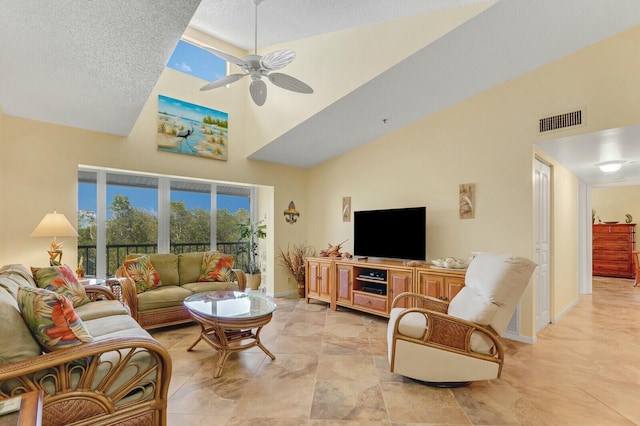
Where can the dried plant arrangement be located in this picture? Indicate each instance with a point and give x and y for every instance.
(293, 260)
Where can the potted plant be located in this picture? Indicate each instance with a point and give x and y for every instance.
(294, 262)
(250, 232)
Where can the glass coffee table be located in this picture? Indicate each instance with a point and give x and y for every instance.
(227, 320)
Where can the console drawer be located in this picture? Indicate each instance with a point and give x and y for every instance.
(370, 302)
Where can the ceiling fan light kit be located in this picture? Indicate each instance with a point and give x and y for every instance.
(257, 67)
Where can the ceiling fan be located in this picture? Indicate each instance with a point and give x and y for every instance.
(257, 67)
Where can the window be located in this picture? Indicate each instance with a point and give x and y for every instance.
(196, 61)
(155, 214)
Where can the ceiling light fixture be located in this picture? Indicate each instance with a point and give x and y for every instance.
(610, 166)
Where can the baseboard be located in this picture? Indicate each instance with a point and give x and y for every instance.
(518, 338)
(284, 293)
(566, 310)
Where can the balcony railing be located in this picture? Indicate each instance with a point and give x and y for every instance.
(116, 253)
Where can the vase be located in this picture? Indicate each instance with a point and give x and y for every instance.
(301, 290)
(253, 281)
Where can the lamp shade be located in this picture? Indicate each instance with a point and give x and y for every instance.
(54, 225)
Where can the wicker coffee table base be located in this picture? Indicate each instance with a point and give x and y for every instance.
(230, 335)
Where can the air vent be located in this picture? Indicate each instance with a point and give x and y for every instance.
(561, 121)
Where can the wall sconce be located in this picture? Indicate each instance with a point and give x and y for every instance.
(54, 225)
(291, 214)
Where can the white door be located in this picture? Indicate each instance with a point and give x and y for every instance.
(543, 246)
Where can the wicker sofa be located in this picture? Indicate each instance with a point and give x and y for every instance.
(121, 377)
(179, 274)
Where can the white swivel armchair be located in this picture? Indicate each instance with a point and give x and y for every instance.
(454, 343)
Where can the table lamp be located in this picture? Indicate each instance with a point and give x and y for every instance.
(54, 225)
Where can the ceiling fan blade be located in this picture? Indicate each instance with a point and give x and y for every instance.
(290, 83)
(229, 58)
(222, 81)
(258, 92)
(278, 59)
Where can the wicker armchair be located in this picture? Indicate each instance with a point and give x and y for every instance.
(453, 343)
(120, 378)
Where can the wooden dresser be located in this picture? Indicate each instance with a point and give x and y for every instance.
(612, 250)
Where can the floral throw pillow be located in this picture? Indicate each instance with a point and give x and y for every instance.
(62, 280)
(141, 271)
(51, 318)
(216, 266)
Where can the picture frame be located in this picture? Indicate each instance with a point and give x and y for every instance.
(191, 129)
(467, 201)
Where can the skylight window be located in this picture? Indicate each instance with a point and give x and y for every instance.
(193, 60)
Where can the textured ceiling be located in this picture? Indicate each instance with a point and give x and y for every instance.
(89, 64)
(284, 20)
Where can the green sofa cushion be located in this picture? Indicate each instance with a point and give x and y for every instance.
(189, 267)
(101, 309)
(200, 287)
(13, 329)
(167, 266)
(14, 276)
(162, 297)
(114, 326)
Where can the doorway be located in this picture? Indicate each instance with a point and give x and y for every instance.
(542, 189)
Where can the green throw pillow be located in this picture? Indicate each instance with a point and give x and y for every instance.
(62, 280)
(51, 318)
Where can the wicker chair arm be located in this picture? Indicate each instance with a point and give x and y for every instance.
(420, 300)
(98, 292)
(452, 334)
(85, 350)
(241, 277)
(126, 287)
(80, 386)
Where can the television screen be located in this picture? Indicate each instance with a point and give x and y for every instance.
(392, 233)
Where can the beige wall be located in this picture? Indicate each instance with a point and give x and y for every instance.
(615, 202)
(487, 140)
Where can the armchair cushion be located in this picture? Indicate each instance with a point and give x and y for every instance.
(51, 318)
(494, 284)
(142, 273)
(216, 266)
(61, 280)
(472, 307)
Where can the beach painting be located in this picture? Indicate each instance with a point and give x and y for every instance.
(192, 129)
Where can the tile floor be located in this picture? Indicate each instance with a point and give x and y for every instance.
(331, 369)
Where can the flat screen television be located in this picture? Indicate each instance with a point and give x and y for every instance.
(391, 233)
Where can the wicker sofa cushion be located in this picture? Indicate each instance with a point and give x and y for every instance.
(14, 276)
(167, 266)
(200, 287)
(13, 329)
(100, 309)
(189, 267)
(162, 297)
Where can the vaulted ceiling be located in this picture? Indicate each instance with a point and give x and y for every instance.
(94, 66)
